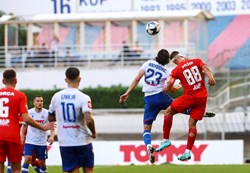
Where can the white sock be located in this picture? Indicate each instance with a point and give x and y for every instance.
(149, 145)
(164, 140)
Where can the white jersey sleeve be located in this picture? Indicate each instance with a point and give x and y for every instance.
(155, 77)
(69, 106)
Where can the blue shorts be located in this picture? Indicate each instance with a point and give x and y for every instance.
(77, 156)
(41, 151)
(154, 104)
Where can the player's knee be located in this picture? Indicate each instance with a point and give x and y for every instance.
(168, 111)
(27, 159)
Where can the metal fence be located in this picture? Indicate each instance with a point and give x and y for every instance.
(24, 57)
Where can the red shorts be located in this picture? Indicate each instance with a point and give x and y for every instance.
(13, 151)
(184, 102)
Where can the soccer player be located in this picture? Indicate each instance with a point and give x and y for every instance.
(72, 110)
(36, 140)
(190, 72)
(13, 103)
(155, 75)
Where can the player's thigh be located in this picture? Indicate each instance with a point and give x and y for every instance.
(199, 108)
(14, 152)
(77, 156)
(150, 111)
(181, 104)
(161, 100)
(41, 152)
(69, 161)
(154, 104)
(86, 156)
(29, 149)
(166, 101)
(3, 153)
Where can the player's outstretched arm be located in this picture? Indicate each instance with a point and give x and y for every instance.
(28, 120)
(134, 83)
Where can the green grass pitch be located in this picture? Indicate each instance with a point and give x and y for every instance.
(168, 168)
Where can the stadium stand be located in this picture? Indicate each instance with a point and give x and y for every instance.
(235, 35)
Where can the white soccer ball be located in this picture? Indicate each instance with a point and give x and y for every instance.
(153, 28)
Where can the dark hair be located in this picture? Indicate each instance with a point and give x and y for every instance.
(162, 57)
(37, 96)
(72, 73)
(173, 54)
(9, 76)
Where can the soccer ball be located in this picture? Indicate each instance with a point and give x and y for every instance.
(153, 28)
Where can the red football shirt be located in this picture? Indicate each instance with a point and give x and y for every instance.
(190, 74)
(13, 104)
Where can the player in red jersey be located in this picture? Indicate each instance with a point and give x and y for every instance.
(12, 104)
(190, 72)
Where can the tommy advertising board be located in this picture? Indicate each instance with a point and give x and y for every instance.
(134, 152)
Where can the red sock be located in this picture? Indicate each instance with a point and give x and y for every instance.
(192, 133)
(36, 163)
(167, 125)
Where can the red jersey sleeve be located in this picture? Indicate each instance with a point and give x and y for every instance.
(23, 104)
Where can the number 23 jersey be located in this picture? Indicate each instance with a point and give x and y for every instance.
(154, 78)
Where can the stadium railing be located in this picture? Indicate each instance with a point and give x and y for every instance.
(230, 95)
(42, 56)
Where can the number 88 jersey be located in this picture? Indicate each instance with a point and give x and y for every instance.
(190, 74)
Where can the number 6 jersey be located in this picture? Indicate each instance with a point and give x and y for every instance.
(13, 103)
